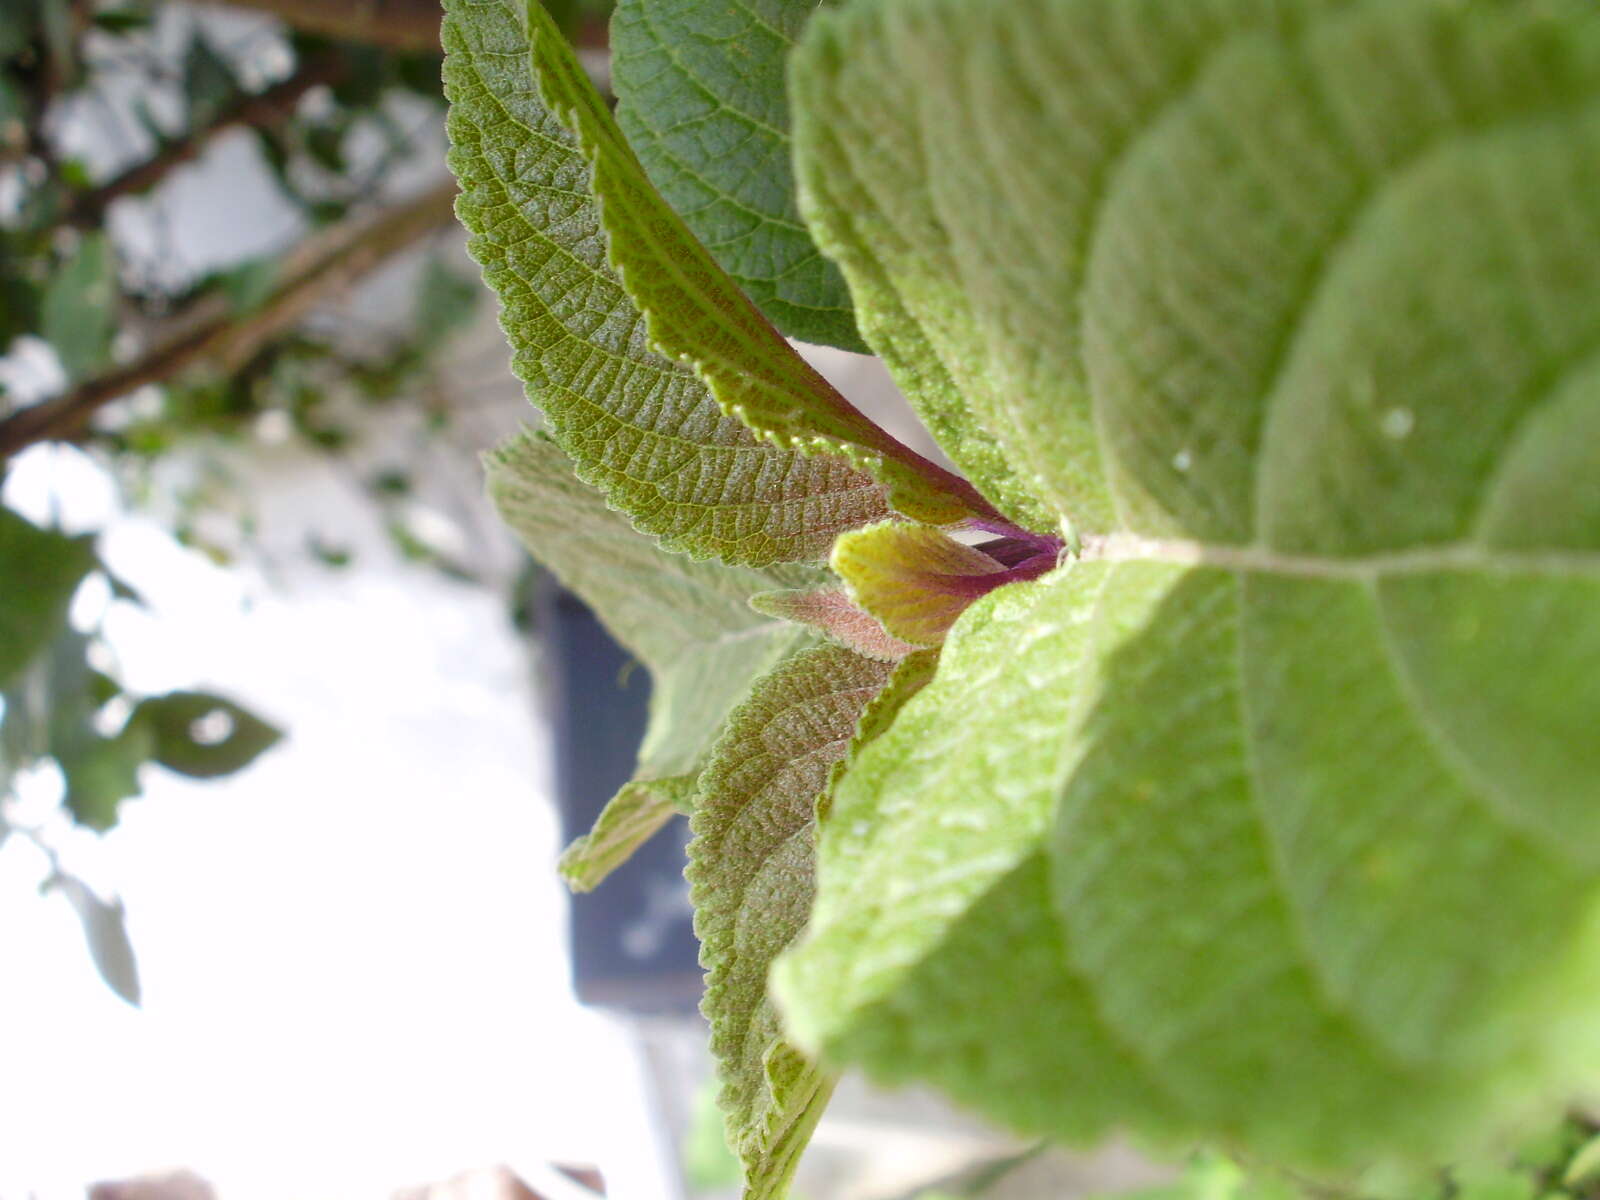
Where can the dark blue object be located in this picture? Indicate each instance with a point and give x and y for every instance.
(633, 944)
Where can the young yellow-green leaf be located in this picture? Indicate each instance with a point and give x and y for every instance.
(701, 97)
(639, 426)
(750, 875)
(1275, 820)
(914, 579)
(689, 622)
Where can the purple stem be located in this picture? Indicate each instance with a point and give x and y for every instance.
(981, 585)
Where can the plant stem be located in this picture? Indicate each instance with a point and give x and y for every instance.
(395, 24)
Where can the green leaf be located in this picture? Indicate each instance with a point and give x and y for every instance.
(914, 579)
(202, 735)
(750, 877)
(533, 146)
(689, 622)
(77, 314)
(927, 228)
(208, 81)
(1275, 818)
(102, 772)
(639, 426)
(1584, 1166)
(701, 97)
(39, 571)
(629, 819)
(250, 284)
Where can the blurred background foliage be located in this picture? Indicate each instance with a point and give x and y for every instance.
(114, 341)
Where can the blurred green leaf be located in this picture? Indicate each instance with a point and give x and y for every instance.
(13, 115)
(1585, 1164)
(446, 300)
(391, 482)
(19, 308)
(55, 18)
(202, 735)
(250, 284)
(208, 81)
(364, 77)
(78, 312)
(17, 30)
(39, 571)
(101, 773)
(329, 554)
(122, 21)
(708, 1163)
(325, 145)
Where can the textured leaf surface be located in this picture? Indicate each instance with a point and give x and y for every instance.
(831, 610)
(630, 818)
(701, 96)
(689, 622)
(641, 427)
(750, 875)
(1275, 819)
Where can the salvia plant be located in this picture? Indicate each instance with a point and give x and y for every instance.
(1216, 757)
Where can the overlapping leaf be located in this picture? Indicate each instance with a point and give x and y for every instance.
(1277, 821)
(639, 426)
(609, 303)
(689, 622)
(751, 877)
(701, 97)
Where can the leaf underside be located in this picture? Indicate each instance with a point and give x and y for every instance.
(701, 98)
(750, 874)
(690, 623)
(831, 610)
(1295, 845)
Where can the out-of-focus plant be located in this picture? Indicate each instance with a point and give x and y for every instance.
(110, 342)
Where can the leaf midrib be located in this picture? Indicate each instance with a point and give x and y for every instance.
(1422, 560)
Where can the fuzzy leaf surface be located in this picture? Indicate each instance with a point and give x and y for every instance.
(640, 426)
(831, 610)
(751, 881)
(701, 96)
(689, 622)
(1284, 802)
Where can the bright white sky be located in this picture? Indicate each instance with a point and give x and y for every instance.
(353, 953)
